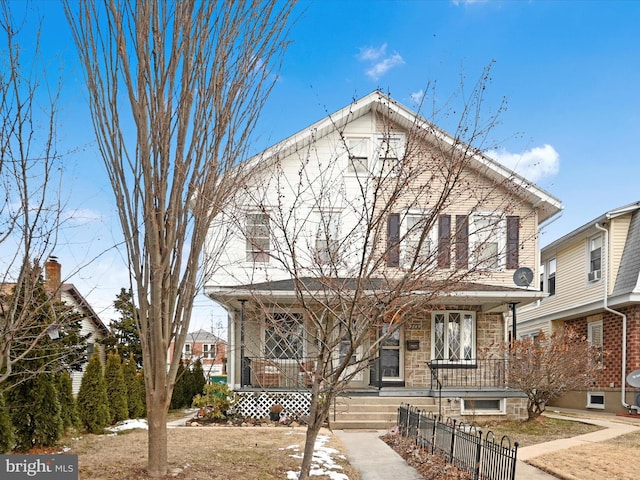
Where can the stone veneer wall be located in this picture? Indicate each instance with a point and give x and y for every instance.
(489, 331)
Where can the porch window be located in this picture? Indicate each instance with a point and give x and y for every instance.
(453, 336)
(284, 336)
(258, 243)
(488, 238)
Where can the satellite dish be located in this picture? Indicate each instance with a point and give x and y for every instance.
(523, 277)
(633, 379)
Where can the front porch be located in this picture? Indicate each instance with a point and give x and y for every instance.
(473, 387)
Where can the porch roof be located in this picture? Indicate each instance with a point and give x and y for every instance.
(491, 298)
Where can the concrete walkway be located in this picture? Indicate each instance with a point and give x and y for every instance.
(377, 461)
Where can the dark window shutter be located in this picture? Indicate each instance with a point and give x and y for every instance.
(462, 241)
(444, 241)
(393, 240)
(513, 241)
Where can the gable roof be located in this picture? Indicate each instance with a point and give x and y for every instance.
(378, 102)
(70, 289)
(629, 271)
(203, 336)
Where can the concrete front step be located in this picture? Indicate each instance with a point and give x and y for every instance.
(373, 412)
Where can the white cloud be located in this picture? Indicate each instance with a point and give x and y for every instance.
(380, 62)
(534, 164)
(371, 53)
(382, 67)
(417, 97)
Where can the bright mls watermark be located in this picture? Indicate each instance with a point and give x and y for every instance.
(51, 467)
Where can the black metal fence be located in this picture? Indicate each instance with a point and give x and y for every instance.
(462, 445)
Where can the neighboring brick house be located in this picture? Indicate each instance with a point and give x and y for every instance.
(592, 278)
(210, 349)
(325, 170)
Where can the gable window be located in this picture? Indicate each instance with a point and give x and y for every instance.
(595, 258)
(548, 277)
(358, 156)
(488, 236)
(390, 150)
(257, 235)
(595, 338)
(418, 244)
(283, 336)
(327, 238)
(453, 336)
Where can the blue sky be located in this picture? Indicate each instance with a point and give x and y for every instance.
(568, 70)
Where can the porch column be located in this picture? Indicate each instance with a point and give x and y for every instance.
(243, 380)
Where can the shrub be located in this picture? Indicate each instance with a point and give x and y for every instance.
(116, 388)
(216, 402)
(35, 413)
(93, 403)
(6, 429)
(68, 410)
(135, 399)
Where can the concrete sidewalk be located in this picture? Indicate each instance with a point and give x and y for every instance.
(377, 461)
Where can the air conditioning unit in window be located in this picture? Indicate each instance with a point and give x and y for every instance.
(595, 275)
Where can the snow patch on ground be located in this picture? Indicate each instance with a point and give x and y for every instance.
(322, 463)
(129, 425)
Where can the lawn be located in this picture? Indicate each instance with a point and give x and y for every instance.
(215, 453)
(615, 458)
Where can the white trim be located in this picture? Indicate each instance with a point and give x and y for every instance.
(598, 405)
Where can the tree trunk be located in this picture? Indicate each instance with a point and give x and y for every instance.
(318, 414)
(157, 420)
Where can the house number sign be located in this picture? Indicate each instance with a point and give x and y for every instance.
(414, 326)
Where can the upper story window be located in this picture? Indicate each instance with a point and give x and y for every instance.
(328, 237)
(359, 153)
(548, 277)
(595, 258)
(419, 238)
(487, 232)
(283, 336)
(208, 351)
(187, 349)
(453, 335)
(389, 151)
(258, 243)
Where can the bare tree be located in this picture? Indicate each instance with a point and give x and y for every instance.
(175, 90)
(546, 368)
(361, 252)
(30, 210)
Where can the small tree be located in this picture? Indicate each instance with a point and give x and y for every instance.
(116, 388)
(68, 410)
(135, 391)
(180, 390)
(126, 335)
(93, 403)
(546, 368)
(6, 429)
(35, 413)
(198, 380)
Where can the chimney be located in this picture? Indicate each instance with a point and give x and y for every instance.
(53, 277)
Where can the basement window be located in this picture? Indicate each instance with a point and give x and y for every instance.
(595, 400)
(482, 406)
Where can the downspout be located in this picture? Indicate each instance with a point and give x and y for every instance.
(605, 276)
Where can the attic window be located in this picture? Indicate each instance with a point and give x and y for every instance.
(358, 151)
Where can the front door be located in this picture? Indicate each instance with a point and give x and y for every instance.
(392, 354)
